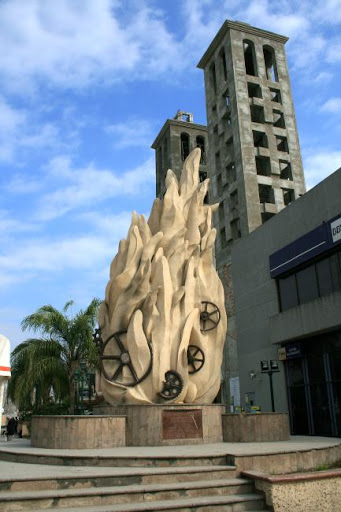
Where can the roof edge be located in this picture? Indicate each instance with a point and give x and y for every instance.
(242, 27)
(185, 124)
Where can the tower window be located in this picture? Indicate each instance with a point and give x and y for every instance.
(219, 185)
(250, 58)
(226, 96)
(279, 119)
(217, 160)
(285, 168)
(223, 241)
(231, 172)
(263, 166)
(201, 146)
(235, 229)
(270, 63)
(213, 78)
(229, 146)
(266, 194)
(160, 157)
(275, 95)
(257, 114)
(234, 199)
(288, 196)
(165, 150)
(266, 216)
(260, 139)
(254, 90)
(184, 138)
(202, 176)
(223, 63)
(282, 144)
(221, 212)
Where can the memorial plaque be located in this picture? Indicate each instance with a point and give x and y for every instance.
(182, 424)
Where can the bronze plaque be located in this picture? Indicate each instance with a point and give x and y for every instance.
(182, 424)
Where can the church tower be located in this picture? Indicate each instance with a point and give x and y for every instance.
(173, 144)
(255, 161)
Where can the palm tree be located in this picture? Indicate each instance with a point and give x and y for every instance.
(48, 363)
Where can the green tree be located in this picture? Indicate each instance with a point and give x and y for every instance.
(48, 363)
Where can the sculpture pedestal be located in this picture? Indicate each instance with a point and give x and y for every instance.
(160, 425)
(250, 428)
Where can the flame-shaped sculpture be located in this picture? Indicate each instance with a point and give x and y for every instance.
(163, 321)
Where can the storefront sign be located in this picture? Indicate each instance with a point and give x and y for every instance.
(307, 247)
(294, 351)
(335, 227)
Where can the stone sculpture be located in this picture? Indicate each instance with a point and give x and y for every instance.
(163, 321)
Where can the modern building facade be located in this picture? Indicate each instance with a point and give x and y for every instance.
(173, 144)
(255, 162)
(287, 277)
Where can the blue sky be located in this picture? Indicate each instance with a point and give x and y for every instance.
(85, 86)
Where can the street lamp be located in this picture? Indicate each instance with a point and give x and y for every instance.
(270, 368)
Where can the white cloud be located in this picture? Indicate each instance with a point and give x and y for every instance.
(78, 43)
(132, 133)
(332, 105)
(318, 166)
(84, 186)
(10, 225)
(20, 130)
(273, 18)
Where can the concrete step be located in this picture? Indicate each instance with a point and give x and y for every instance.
(108, 460)
(112, 496)
(225, 503)
(95, 477)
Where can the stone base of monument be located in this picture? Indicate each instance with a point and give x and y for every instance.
(160, 425)
(250, 428)
(78, 432)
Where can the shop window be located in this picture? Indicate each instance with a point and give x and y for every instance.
(231, 173)
(307, 284)
(213, 78)
(257, 114)
(324, 277)
(270, 63)
(334, 261)
(260, 139)
(282, 144)
(275, 95)
(250, 58)
(223, 63)
(263, 166)
(266, 194)
(235, 229)
(278, 119)
(319, 279)
(201, 145)
(184, 138)
(288, 195)
(288, 292)
(285, 169)
(254, 90)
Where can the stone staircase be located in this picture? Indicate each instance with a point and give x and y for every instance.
(179, 488)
